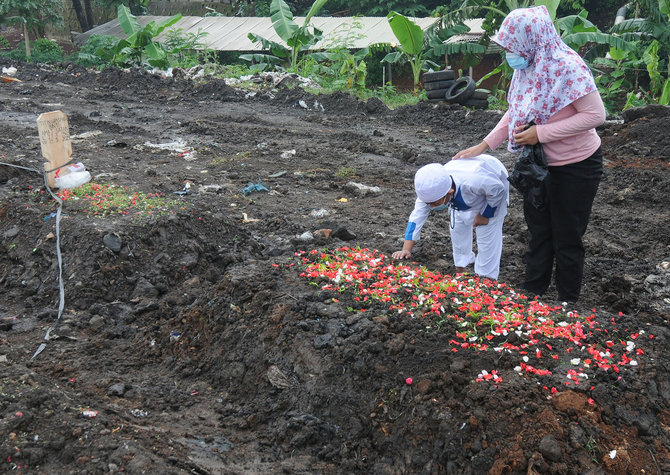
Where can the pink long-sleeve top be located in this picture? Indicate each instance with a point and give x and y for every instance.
(569, 136)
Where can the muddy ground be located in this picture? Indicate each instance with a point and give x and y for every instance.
(201, 348)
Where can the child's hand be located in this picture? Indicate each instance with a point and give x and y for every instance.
(480, 220)
(404, 254)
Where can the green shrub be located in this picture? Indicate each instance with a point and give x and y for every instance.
(86, 55)
(185, 50)
(4, 44)
(15, 55)
(46, 51)
(46, 46)
(42, 51)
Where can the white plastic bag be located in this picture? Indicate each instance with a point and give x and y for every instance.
(78, 176)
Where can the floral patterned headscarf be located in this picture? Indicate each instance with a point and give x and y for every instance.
(556, 77)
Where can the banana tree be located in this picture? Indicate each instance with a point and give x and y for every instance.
(297, 38)
(412, 47)
(656, 26)
(613, 75)
(576, 31)
(494, 13)
(658, 87)
(436, 37)
(140, 45)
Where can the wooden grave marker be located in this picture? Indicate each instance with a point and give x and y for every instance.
(56, 146)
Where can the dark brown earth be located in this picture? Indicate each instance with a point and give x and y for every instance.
(200, 356)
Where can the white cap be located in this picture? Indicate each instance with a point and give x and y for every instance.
(432, 182)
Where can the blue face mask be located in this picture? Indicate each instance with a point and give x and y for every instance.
(442, 207)
(516, 61)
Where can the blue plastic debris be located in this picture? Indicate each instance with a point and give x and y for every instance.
(251, 188)
(184, 191)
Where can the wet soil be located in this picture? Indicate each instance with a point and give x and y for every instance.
(202, 350)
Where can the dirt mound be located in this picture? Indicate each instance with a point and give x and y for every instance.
(216, 90)
(642, 136)
(194, 337)
(448, 120)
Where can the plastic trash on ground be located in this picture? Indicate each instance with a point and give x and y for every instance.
(251, 188)
(8, 75)
(77, 176)
(184, 191)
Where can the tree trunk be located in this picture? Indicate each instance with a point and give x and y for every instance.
(81, 17)
(89, 13)
(26, 38)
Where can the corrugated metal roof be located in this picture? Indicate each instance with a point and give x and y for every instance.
(473, 36)
(476, 32)
(230, 33)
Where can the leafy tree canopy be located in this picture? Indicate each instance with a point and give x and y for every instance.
(413, 8)
(32, 15)
(136, 7)
(602, 10)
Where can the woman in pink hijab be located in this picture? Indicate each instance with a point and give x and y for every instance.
(553, 88)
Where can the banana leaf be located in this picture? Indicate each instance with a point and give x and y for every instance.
(260, 58)
(665, 94)
(275, 48)
(128, 21)
(408, 33)
(392, 57)
(316, 6)
(282, 19)
(582, 38)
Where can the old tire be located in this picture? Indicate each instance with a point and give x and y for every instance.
(480, 94)
(477, 103)
(445, 75)
(436, 94)
(461, 90)
(431, 86)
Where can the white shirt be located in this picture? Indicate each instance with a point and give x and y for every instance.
(481, 187)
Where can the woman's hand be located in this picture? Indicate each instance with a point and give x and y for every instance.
(473, 151)
(525, 137)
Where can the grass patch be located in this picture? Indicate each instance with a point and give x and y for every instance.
(389, 95)
(345, 172)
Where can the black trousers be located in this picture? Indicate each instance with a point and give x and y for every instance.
(556, 230)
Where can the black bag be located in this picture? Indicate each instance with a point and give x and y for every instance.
(531, 175)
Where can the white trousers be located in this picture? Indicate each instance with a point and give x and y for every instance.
(489, 242)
